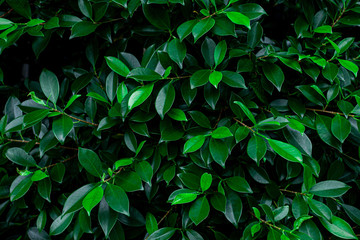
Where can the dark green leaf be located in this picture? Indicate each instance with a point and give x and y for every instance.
(19, 156)
(90, 161)
(199, 210)
(330, 188)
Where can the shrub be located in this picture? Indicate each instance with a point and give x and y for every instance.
(180, 119)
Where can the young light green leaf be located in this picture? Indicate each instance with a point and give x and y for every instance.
(140, 95)
(221, 132)
(239, 18)
(349, 66)
(215, 78)
(184, 198)
(92, 199)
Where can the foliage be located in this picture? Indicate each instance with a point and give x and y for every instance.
(180, 119)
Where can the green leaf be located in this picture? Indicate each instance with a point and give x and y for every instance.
(194, 143)
(177, 51)
(234, 207)
(274, 74)
(345, 44)
(60, 224)
(193, 235)
(252, 10)
(352, 212)
(140, 95)
(22, 7)
(233, 79)
(280, 213)
(286, 150)
(215, 78)
(239, 184)
(320, 209)
(62, 127)
(117, 66)
(162, 234)
(349, 66)
(219, 151)
(71, 100)
(199, 210)
(98, 97)
(205, 181)
(19, 187)
(177, 114)
(145, 171)
(202, 27)
(299, 207)
(74, 201)
(220, 51)
(129, 181)
(85, 8)
(330, 188)
(117, 199)
(143, 74)
(107, 217)
(339, 227)
(165, 100)
(254, 35)
(57, 172)
(256, 148)
(221, 132)
(323, 127)
(185, 29)
(291, 63)
(111, 86)
(82, 29)
(19, 156)
(330, 71)
(90, 161)
(200, 78)
(35, 117)
(340, 127)
(184, 198)
(239, 18)
(323, 29)
(92, 198)
(200, 119)
(246, 110)
(157, 15)
(151, 223)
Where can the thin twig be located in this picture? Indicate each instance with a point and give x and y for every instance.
(114, 174)
(167, 213)
(354, 159)
(37, 143)
(244, 125)
(75, 118)
(335, 22)
(112, 20)
(289, 191)
(180, 77)
(7, 13)
(64, 161)
(330, 112)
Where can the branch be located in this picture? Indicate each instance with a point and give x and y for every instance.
(289, 191)
(37, 143)
(114, 174)
(167, 213)
(75, 118)
(336, 21)
(354, 159)
(64, 161)
(250, 128)
(7, 13)
(330, 112)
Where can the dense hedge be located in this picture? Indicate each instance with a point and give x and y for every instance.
(179, 119)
